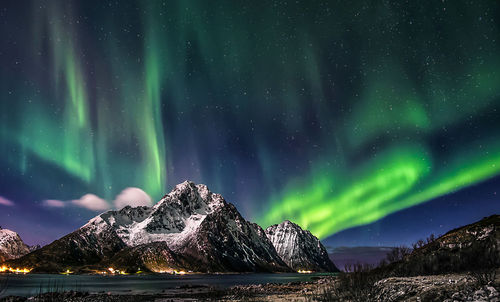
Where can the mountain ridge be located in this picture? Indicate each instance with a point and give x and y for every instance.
(193, 228)
(11, 245)
(299, 248)
(472, 247)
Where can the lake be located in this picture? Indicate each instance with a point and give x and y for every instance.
(32, 284)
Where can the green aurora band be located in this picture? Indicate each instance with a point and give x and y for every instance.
(343, 114)
(75, 142)
(399, 179)
(391, 104)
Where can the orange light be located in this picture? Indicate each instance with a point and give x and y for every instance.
(14, 270)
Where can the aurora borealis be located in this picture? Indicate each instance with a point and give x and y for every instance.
(331, 114)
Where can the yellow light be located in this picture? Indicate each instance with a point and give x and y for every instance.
(14, 270)
(67, 272)
(300, 271)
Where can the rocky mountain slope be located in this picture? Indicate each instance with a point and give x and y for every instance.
(11, 245)
(82, 247)
(469, 248)
(300, 249)
(192, 227)
(205, 234)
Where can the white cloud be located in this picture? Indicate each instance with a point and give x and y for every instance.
(128, 197)
(91, 202)
(132, 197)
(54, 203)
(5, 202)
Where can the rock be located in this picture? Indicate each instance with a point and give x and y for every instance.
(457, 296)
(492, 292)
(300, 249)
(11, 245)
(480, 295)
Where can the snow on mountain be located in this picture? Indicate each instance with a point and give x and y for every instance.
(300, 249)
(172, 220)
(11, 245)
(195, 228)
(225, 241)
(200, 231)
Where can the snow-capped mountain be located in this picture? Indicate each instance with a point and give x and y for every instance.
(300, 249)
(172, 220)
(198, 231)
(11, 245)
(34, 247)
(76, 249)
(192, 227)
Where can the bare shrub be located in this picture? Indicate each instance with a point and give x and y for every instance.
(357, 283)
(398, 254)
(485, 276)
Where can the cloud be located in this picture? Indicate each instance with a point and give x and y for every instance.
(53, 203)
(132, 197)
(5, 202)
(88, 201)
(91, 202)
(128, 197)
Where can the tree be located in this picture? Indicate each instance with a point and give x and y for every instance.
(398, 253)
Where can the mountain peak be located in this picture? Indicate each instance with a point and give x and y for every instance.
(289, 224)
(11, 245)
(186, 185)
(190, 198)
(4, 233)
(300, 249)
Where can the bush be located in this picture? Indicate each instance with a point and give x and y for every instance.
(398, 254)
(485, 276)
(356, 283)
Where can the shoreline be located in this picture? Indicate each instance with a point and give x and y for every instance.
(175, 286)
(169, 274)
(257, 292)
(445, 287)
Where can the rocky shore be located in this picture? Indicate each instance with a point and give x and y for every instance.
(293, 291)
(449, 288)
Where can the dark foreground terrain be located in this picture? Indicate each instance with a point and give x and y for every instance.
(461, 265)
(450, 287)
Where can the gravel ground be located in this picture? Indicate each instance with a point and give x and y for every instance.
(436, 288)
(448, 288)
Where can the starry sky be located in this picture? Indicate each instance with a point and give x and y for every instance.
(366, 122)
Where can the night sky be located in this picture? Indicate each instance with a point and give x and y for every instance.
(366, 122)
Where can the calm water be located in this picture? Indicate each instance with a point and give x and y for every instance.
(28, 285)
